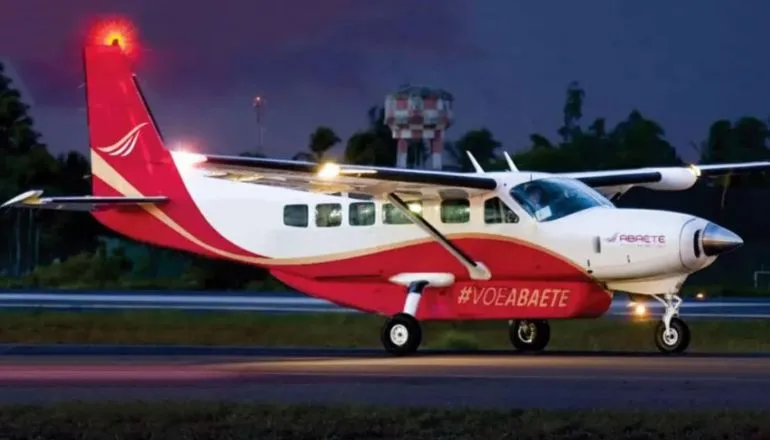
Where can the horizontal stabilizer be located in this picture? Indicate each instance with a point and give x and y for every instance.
(34, 200)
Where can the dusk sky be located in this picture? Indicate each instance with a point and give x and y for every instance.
(324, 62)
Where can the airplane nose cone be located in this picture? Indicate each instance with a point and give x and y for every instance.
(717, 240)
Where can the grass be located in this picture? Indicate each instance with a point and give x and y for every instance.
(347, 331)
(170, 421)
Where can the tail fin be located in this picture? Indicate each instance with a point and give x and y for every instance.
(123, 135)
(129, 159)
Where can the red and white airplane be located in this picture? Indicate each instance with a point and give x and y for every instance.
(411, 245)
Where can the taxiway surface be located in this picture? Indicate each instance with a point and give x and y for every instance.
(500, 379)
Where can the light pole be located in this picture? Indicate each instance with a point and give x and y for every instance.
(258, 103)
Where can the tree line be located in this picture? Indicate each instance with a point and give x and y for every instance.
(51, 249)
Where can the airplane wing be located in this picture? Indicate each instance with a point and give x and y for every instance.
(34, 200)
(332, 178)
(616, 182)
(424, 184)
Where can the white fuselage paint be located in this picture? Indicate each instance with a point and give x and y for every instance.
(251, 216)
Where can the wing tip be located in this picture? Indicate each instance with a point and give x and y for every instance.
(30, 197)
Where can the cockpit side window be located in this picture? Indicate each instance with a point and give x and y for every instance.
(496, 211)
(553, 198)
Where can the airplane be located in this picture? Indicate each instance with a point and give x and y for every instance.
(525, 247)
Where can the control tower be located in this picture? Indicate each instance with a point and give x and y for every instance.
(418, 112)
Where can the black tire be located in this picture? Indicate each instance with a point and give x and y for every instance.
(677, 341)
(401, 334)
(534, 338)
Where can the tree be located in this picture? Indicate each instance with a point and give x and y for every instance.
(481, 143)
(25, 162)
(69, 233)
(641, 142)
(634, 142)
(374, 145)
(573, 111)
(321, 141)
(744, 141)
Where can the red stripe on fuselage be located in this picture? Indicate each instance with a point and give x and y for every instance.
(471, 300)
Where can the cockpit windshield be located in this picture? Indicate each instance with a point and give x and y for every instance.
(552, 198)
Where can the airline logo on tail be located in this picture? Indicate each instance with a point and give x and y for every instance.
(125, 145)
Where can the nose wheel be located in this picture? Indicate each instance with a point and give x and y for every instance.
(672, 335)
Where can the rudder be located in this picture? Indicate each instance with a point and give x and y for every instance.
(122, 132)
(129, 159)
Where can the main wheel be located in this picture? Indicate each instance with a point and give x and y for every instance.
(401, 334)
(529, 335)
(676, 340)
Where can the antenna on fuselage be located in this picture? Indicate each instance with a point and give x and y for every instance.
(474, 162)
(511, 165)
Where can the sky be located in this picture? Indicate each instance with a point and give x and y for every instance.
(507, 62)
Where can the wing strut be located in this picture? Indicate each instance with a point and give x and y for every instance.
(476, 270)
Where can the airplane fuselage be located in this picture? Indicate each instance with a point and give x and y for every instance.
(348, 248)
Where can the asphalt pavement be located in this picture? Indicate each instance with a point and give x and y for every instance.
(39, 374)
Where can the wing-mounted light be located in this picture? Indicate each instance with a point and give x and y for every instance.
(331, 171)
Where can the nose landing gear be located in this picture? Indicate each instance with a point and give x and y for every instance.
(672, 334)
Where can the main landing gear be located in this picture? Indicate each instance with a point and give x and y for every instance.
(672, 334)
(529, 335)
(402, 334)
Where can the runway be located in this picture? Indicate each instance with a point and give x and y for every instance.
(491, 380)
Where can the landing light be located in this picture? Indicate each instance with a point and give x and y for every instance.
(639, 309)
(700, 295)
(329, 170)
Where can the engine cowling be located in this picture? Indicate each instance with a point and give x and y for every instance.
(695, 233)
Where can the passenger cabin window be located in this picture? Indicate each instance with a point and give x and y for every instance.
(328, 215)
(455, 211)
(496, 211)
(296, 215)
(361, 214)
(556, 197)
(391, 215)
